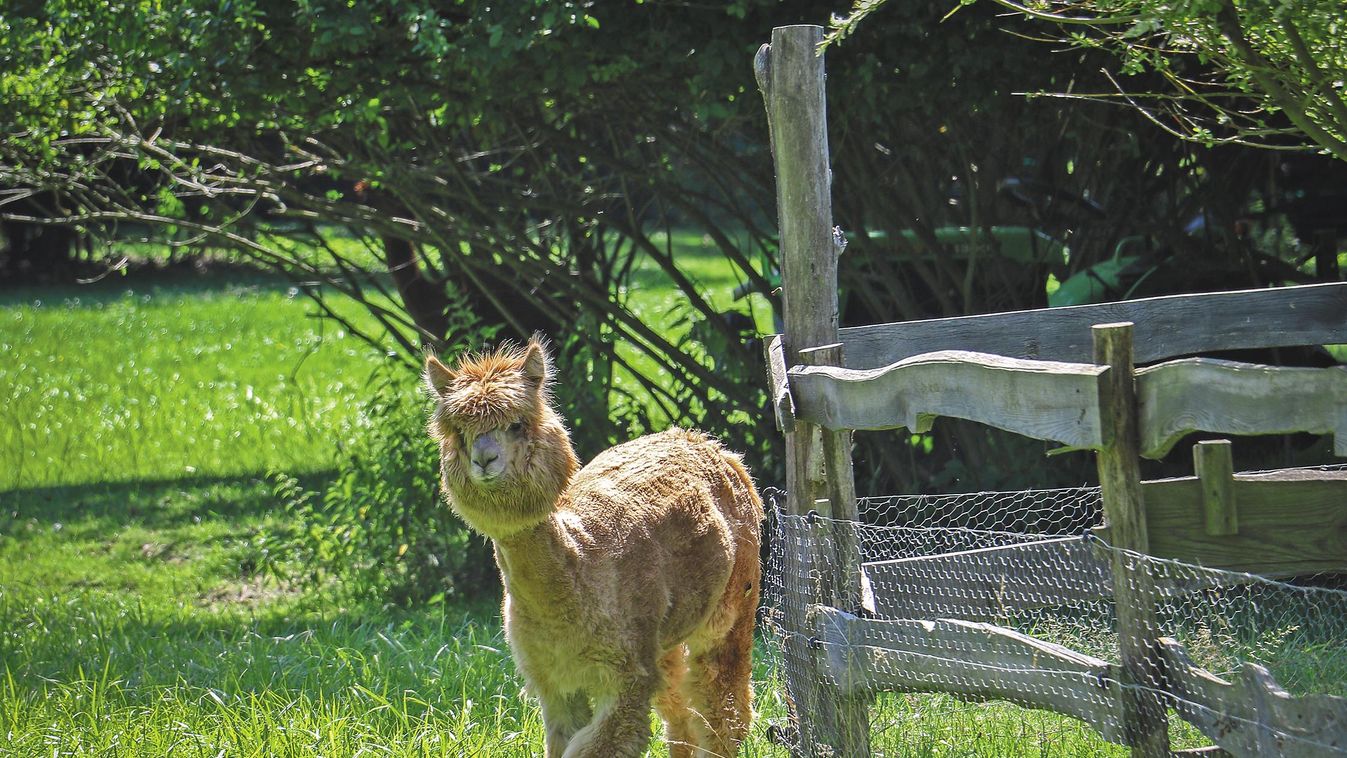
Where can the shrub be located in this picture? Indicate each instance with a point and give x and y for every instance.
(380, 531)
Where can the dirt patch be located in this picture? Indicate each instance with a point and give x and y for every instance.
(248, 593)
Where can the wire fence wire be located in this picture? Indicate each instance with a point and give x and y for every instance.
(988, 624)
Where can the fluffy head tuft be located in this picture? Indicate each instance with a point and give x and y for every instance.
(490, 390)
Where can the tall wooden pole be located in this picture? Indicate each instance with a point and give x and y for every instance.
(1144, 717)
(790, 72)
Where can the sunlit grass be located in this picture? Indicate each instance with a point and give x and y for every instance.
(154, 381)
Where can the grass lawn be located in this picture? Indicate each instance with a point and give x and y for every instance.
(141, 417)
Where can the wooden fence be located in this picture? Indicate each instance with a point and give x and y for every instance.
(1066, 375)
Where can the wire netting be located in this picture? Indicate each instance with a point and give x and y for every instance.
(989, 624)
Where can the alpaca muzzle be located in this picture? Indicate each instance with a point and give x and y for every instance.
(487, 459)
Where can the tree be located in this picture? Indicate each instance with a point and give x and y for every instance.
(1251, 72)
(450, 166)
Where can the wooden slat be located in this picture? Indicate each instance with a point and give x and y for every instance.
(790, 72)
(968, 659)
(1135, 592)
(1213, 462)
(1290, 522)
(1166, 327)
(1253, 715)
(990, 583)
(782, 403)
(1041, 399)
(1226, 397)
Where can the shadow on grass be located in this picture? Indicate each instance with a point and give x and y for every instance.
(151, 503)
(84, 599)
(185, 278)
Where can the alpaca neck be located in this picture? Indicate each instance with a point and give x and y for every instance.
(502, 515)
(533, 565)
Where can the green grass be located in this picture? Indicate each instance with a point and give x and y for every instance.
(127, 383)
(142, 418)
(135, 618)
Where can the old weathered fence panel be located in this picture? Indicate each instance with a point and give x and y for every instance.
(1226, 397)
(990, 583)
(1165, 327)
(1064, 374)
(1040, 399)
(1289, 523)
(970, 659)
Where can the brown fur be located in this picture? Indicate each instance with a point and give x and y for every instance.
(632, 580)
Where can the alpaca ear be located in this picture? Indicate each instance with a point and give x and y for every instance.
(438, 376)
(537, 363)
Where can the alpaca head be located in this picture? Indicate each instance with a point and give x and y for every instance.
(505, 455)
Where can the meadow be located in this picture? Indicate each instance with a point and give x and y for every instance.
(136, 618)
(143, 415)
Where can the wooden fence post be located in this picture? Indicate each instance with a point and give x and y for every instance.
(1145, 725)
(839, 549)
(790, 72)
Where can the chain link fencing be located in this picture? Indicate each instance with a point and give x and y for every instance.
(987, 624)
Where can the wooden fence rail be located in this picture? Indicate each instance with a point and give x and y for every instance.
(969, 659)
(1253, 715)
(1166, 327)
(1053, 400)
(1225, 397)
(1040, 399)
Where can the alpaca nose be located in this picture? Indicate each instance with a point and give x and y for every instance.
(486, 456)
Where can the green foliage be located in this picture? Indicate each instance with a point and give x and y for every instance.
(1212, 71)
(533, 154)
(380, 532)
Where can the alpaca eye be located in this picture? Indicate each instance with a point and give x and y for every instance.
(516, 427)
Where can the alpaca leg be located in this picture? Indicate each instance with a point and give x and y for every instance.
(672, 705)
(563, 716)
(621, 728)
(719, 689)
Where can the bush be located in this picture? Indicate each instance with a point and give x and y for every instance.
(380, 532)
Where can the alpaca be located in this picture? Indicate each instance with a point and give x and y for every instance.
(629, 582)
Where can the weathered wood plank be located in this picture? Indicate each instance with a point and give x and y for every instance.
(1290, 522)
(969, 659)
(991, 583)
(782, 403)
(1042, 399)
(1134, 590)
(1166, 327)
(1213, 462)
(1253, 715)
(988, 584)
(1226, 397)
(790, 72)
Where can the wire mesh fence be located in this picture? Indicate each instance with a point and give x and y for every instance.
(988, 624)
